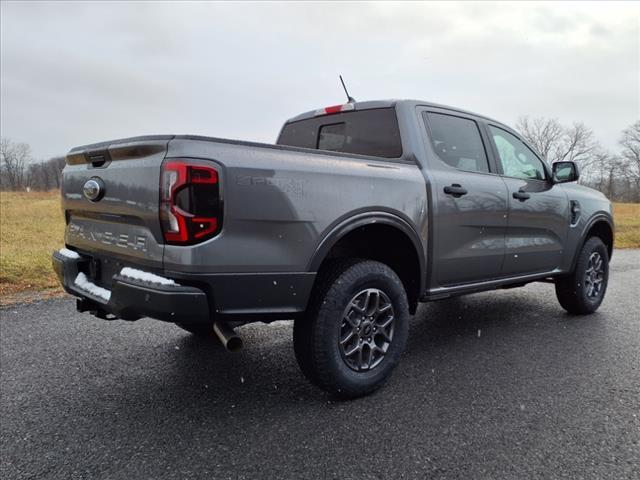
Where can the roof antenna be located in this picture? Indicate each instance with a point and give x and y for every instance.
(350, 99)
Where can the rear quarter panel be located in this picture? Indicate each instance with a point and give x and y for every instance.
(279, 203)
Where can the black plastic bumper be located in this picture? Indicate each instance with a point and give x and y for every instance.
(131, 299)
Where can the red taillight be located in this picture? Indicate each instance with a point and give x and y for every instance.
(335, 109)
(190, 207)
(203, 174)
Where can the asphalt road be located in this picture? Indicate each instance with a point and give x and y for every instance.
(494, 385)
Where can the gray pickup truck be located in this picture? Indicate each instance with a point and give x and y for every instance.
(358, 213)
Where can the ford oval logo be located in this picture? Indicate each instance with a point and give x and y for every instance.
(93, 189)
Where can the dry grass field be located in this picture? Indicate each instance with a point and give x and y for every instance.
(32, 226)
(627, 218)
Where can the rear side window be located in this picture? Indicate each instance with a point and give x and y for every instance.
(371, 132)
(457, 142)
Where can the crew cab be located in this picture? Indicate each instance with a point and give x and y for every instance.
(358, 213)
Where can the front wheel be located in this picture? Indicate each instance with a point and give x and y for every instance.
(583, 291)
(355, 330)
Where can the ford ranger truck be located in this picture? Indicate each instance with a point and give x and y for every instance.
(358, 213)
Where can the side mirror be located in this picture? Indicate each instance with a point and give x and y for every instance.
(564, 172)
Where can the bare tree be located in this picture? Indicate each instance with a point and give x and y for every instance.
(46, 182)
(19, 172)
(618, 176)
(577, 145)
(544, 134)
(39, 176)
(630, 143)
(605, 174)
(612, 175)
(54, 168)
(556, 142)
(13, 162)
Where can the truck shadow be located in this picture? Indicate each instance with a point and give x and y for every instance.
(266, 371)
(267, 365)
(442, 322)
(191, 387)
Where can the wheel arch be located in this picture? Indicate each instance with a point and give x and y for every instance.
(601, 226)
(347, 236)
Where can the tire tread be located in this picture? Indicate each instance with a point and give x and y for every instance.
(326, 301)
(569, 289)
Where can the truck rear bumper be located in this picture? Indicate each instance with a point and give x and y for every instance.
(131, 299)
(195, 298)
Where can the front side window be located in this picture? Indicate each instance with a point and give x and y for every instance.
(516, 158)
(457, 142)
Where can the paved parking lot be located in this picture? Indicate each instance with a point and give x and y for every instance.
(494, 385)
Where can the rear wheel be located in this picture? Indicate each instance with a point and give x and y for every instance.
(355, 330)
(583, 291)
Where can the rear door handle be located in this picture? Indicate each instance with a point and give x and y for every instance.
(521, 195)
(456, 190)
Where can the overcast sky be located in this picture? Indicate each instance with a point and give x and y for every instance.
(76, 73)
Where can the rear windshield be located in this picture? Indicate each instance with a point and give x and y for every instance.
(371, 132)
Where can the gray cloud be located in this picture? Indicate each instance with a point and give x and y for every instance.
(74, 73)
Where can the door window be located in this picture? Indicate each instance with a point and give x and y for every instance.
(457, 142)
(516, 158)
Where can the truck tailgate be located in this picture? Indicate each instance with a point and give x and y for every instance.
(123, 222)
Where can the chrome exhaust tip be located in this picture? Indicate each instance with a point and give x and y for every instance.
(227, 336)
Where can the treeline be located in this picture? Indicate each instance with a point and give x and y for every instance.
(616, 174)
(19, 171)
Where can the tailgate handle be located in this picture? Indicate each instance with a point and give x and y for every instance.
(98, 158)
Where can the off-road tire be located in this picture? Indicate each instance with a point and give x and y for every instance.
(573, 291)
(317, 336)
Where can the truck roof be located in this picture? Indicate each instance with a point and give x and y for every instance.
(393, 102)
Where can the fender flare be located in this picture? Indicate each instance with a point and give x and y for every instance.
(598, 217)
(345, 226)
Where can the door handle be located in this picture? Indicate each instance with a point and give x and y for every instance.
(456, 190)
(521, 195)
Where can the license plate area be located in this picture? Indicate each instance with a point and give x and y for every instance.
(94, 270)
(100, 270)
(108, 268)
